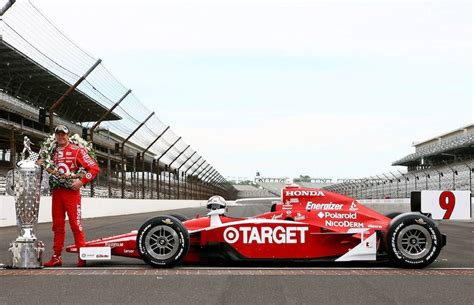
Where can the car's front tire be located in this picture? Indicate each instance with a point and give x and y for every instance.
(162, 241)
(413, 241)
(179, 217)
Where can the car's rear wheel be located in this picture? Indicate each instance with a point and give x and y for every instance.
(413, 241)
(393, 215)
(162, 241)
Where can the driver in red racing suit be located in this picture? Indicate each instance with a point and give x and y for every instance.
(68, 158)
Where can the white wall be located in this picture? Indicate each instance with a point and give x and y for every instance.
(97, 207)
(386, 206)
(102, 207)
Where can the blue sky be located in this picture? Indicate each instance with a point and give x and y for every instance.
(325, 88)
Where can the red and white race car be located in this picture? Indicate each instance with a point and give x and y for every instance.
(307, 225)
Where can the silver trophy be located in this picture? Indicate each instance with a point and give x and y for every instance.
(24, 182)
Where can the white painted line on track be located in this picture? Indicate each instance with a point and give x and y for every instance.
(246, 268)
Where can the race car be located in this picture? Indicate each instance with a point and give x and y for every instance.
(307, 225)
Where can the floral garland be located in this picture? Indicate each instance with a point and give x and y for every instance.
(56, 178)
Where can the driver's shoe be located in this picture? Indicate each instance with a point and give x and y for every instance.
(55, 261)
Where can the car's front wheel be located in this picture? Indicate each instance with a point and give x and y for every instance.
(413, 241)
(162, 241)
(179, 217)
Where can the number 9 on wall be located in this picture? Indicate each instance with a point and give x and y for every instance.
(452, 205)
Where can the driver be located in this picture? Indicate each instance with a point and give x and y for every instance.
(69, 157)
(216, 202)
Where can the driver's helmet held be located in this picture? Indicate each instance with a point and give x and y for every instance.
(216, 202)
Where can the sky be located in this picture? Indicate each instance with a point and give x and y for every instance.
(337, 89)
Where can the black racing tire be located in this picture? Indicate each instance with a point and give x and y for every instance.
(162, 241)
(392, 215)
(273, 207)
(413, 241)
(180, 217)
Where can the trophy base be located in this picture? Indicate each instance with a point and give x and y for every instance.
(27, 254)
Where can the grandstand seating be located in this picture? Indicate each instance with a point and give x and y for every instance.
(397, 185)
(272, 187)
(455, 140)
(251, 191)
(312, 184)
(275, 185)
(3, 182)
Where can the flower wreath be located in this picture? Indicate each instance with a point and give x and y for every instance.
(57, 178)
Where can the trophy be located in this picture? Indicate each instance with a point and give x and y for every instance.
(24, 182)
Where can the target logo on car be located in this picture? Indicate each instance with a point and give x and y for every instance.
(266, 234)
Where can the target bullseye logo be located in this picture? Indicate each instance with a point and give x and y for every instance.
(231, 235)
(63, 168)
(89, 176)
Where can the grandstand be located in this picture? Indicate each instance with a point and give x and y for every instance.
(274, 185)
(46, 79)
(313, 182)
(442, 162)
(252, 191)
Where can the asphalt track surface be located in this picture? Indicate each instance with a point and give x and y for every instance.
(450, 280)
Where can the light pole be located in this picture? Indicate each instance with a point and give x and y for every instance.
(197, 178)
(169, 166)
(470, 174)
(191, 178)
(179, 169)
(143, 160)
(398, 180)
(426, 179)
(406, 183)
(455, 172)
(200, 183)
(390, 185)
(158, 178)
(122, 150)
(381, 180)
(186, 175)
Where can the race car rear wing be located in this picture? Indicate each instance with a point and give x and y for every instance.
(442, 205)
